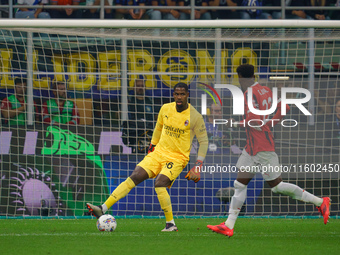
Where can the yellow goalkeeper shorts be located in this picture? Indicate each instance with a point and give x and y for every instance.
(155, 163)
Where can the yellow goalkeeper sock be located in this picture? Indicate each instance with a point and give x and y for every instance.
(165, 202)
(121, 191)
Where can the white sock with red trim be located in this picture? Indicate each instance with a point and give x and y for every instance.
(236, 203)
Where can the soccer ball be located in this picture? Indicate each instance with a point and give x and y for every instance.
(106, 222)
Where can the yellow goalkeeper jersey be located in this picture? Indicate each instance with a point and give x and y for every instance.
(175, 131)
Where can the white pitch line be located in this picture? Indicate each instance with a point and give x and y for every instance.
(100, 234)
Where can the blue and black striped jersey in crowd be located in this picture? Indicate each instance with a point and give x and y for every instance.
(197, 2)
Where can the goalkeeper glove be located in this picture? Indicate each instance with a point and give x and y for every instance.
(151, 148)
(195, 172)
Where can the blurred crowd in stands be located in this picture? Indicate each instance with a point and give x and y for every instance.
(170, 10)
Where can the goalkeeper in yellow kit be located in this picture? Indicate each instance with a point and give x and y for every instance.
(177, 124)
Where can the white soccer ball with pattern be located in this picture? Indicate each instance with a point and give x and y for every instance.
(106, 222)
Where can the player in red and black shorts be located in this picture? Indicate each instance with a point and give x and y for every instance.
(259, 153)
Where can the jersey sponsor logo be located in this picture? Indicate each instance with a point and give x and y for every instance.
(173, 129)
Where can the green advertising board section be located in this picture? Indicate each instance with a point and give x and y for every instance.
(50, 170)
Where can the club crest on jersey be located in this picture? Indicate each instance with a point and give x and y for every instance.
(186, 123)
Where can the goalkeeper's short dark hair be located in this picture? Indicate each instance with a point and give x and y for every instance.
(246, 70)
(182, 85)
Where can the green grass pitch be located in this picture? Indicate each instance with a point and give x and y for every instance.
(143, 236)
